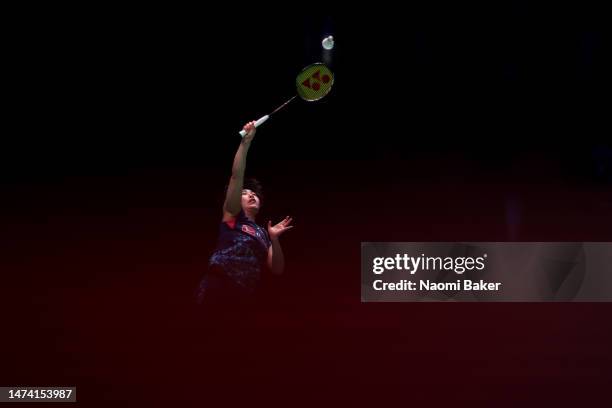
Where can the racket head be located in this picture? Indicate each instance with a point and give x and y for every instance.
(314, 82)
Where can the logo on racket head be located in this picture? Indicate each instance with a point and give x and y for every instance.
(314, 82)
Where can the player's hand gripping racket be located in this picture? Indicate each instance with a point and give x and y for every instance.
(312, 83)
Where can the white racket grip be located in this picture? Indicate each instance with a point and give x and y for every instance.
(257, 123)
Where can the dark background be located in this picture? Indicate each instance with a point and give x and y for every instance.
(462, 123)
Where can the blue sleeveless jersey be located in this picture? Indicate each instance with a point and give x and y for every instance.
(241, 252)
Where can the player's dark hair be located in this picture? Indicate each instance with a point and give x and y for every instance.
(254, 185)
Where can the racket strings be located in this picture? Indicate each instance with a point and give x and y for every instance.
(314, 82)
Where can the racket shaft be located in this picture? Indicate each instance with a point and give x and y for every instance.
(283, 105)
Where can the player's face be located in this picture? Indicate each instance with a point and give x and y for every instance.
(250, 200)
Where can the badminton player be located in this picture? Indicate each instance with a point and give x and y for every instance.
(244, 249)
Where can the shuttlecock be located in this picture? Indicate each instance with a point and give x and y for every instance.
(328, 42)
